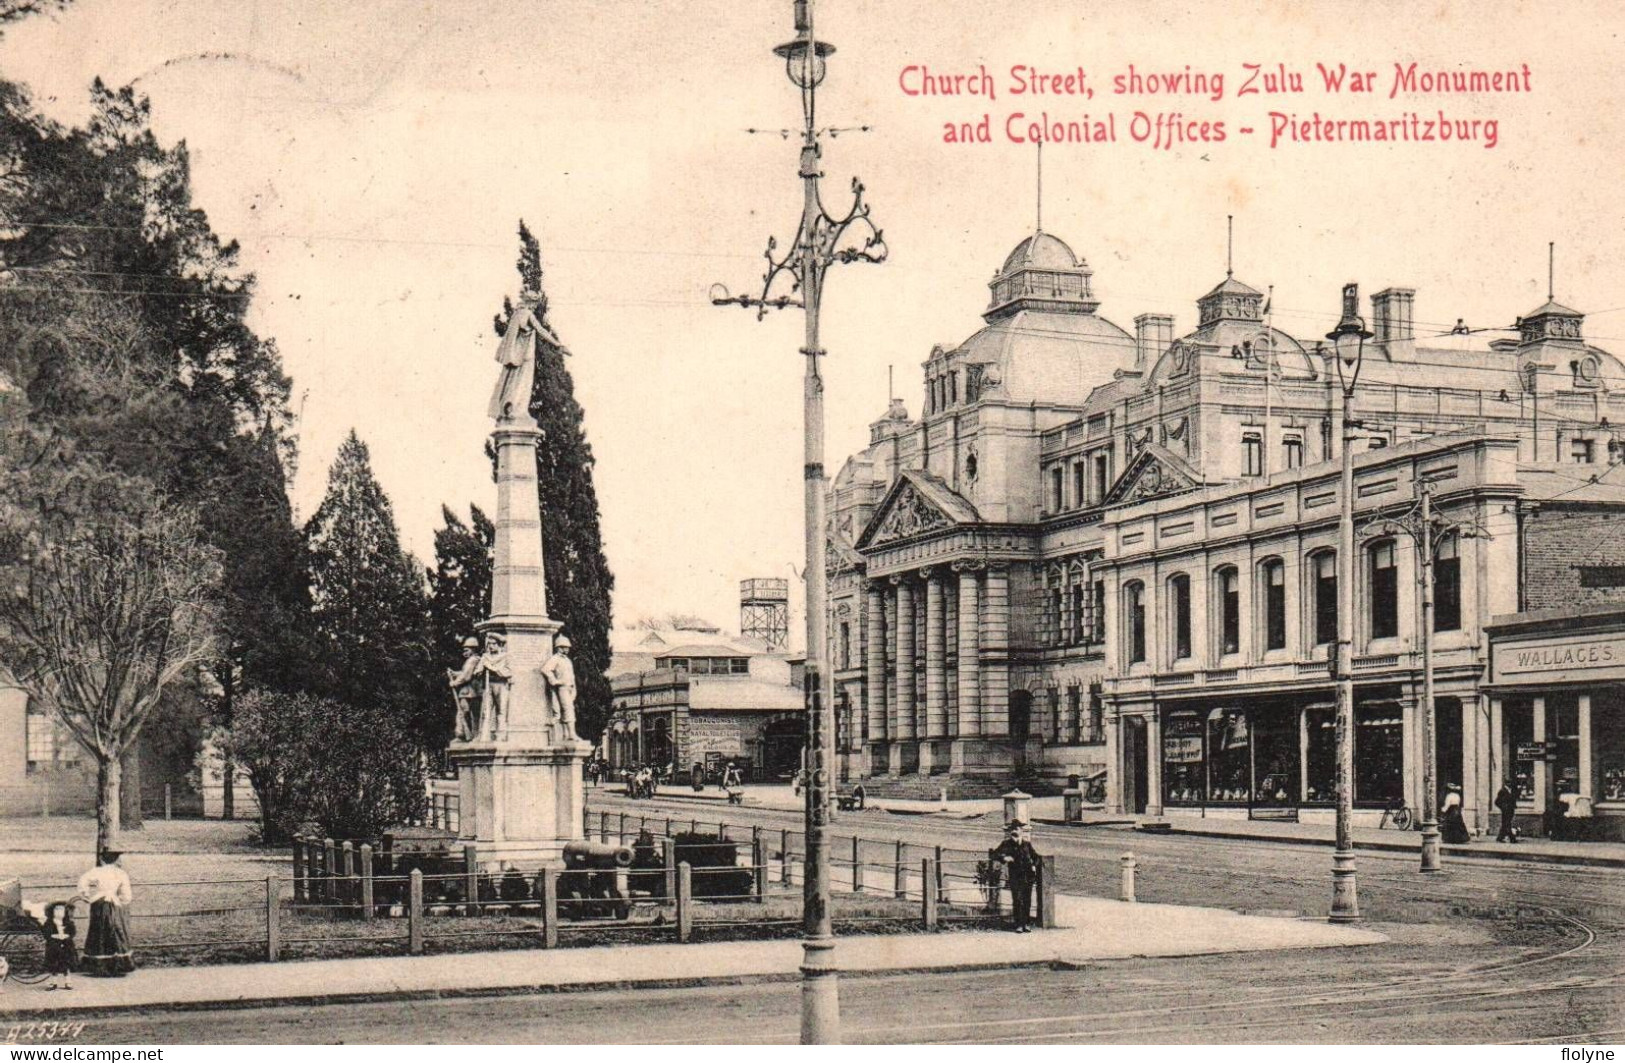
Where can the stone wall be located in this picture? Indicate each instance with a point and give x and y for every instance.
(1574, 556)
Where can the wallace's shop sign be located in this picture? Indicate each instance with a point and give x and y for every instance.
(1575, 658)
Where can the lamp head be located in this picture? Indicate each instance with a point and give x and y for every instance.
(804, 60)
(1349, 337)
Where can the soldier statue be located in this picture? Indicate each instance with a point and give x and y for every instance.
(517, 356)
(465, 688)
(494, 666)
(560, 675)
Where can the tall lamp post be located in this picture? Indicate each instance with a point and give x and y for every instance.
(1348, 343)
(822, 240)
(1429, 532)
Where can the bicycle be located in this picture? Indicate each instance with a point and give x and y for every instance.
(1398, 814)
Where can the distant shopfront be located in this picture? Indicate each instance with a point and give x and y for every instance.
(1557, 709)
(1272, 757)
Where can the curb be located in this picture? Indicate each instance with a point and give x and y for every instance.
(1462, 852)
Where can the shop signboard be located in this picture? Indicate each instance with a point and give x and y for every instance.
(1536, 751)
(1180, 750)
(1571, 658)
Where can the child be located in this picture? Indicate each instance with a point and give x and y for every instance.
(60, 954)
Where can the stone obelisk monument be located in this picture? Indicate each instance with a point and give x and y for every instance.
(519, 762)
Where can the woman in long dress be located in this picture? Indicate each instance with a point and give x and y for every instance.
(107, 943)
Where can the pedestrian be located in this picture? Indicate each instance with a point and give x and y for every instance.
(1021, 867)
(1452, 826)
(61, 955)
(1507, 802)
(107, 943)
(696, 777)
(731, 783)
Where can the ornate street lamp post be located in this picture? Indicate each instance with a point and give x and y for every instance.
(1348, 343)
(821, 241)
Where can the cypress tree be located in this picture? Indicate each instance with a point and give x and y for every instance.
(579, 582)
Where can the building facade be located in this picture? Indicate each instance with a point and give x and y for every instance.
(1100, 548)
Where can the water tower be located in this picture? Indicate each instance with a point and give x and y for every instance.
(764, 611)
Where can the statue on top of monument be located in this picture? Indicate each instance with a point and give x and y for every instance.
(494, 666)
(517, 356)
(560, 675)
(465, 689)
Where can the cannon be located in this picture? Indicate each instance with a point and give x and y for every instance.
(590, 880)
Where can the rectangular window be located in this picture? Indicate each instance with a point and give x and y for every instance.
(40, 738)
(1097, 719)
(1055, 712)
(1057, 617)
(1292, 452)
(1325, 598)
(1077, 613)
(1581, 451)
(1102, 479)
(1274, 606)
(1136, 623)
(846, 644)
(1252, 455)
(1080, 493)
(1074, 703)
(1447, 586)
(1384, 592)
(1057, 490)
(953, 387)
(1180, 602)
(1229, 612)
(741, 666)
(1098, 628)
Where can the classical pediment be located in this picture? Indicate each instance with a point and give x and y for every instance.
(917, 504)
(1154, 472)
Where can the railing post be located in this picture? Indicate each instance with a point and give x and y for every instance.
(367, 909)
(168, 802)
(603, 826)
(928, 896)
(298, 867)
(1126, 885)
(940, 874)
(694, 826)
(550, 908)
(622, 835)
(586, 821)
(685, 901)
(471, 877)
(389, 854)
(329, 862)
(347, 891)
(668, 827)
(273, 931)
(784, 856)
(758, 864)
(857, 864)
(414, 913)
(669, 851)
(899, 873)
(1046, 892)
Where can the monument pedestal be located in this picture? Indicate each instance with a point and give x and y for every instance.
(517, 805)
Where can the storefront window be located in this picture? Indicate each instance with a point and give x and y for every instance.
(1229, 751)
(1183, 775)
(1563, 737)
(1275, 758)
(1379, 743)
(1320, 727)
(1608, 742)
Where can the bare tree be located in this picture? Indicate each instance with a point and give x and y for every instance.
(101, 612)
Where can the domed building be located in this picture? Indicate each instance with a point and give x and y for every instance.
(1109, 553)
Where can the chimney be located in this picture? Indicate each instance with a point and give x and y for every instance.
(1153, 334)
(1391, 313)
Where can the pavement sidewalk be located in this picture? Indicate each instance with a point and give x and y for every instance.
(1047, 811)
(1091, 930)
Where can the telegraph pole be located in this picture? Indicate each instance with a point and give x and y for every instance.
(821, 240)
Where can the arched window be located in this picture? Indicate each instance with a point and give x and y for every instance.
(1055, 605)
(1134, 621)
(1227, 589)
(1179, 615)
(1272, 585)
(1384, 589)
(1077, 591)
(1447, 585)
(1323, 574)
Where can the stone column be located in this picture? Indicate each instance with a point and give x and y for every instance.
(1153, 761)
(1542, 766)
(904, 755)
(1584, 710)
(1115, 765)
(936, 669)
(874, 667)
(970, 664)
(1410, 751)
(995, 645)
(1472, 801)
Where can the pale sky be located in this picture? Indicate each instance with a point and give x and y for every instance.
(373, 158)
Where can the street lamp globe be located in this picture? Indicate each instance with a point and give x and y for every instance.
(1348, 338)
(804, 60)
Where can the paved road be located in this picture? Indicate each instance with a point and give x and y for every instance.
(1482, 952)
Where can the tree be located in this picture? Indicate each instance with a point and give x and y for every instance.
(362, 778)
(579, 582)
(370, 613)
(102, 609)
(459, 594)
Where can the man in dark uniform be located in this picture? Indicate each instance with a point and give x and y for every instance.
(1021, 863)
(1507, 803)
